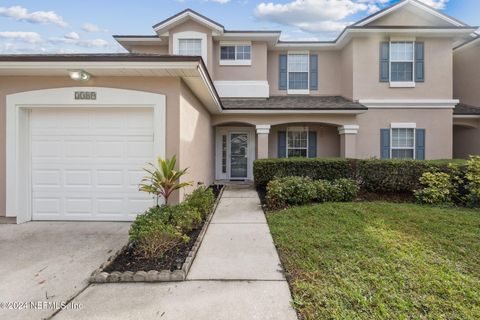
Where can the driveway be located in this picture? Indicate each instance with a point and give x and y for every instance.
(51, 261)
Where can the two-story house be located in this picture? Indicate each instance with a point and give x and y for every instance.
(79, 128)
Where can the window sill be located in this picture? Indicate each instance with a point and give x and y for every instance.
(402, 84)
(298, 91)
(235, 62)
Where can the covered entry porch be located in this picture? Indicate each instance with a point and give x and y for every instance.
(239, 143)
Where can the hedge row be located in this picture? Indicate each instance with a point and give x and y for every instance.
(387, 176)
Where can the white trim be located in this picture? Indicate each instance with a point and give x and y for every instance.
(263, 128)
(219, 175)
(242, 89)
(413, 2)
(466, 116)
(402, 84)
(297, 91)
(402, 39)
(236, 62)
(348, 129)
(190, 35)
(403, 125)
(409, 103)
(188, 14)
(18, 184)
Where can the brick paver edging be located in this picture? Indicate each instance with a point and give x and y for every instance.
(100, 276)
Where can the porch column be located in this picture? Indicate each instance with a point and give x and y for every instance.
(348, 140)
(262, 140)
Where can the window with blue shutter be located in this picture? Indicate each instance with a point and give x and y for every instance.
(313, 72)
(419, 62)
(420, 144)
(282, 72)
(282, 144)
(385, 143)
(384, 62)
(312, 144)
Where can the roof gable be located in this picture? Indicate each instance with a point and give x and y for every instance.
(186, 15)
(410, 13)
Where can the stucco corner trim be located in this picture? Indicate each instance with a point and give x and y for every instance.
(18, 156)
(409, 103)
(263, 128)
(348, 129)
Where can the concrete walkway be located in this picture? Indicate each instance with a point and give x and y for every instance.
(236, 275)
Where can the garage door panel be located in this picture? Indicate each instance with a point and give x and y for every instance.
(90, 170)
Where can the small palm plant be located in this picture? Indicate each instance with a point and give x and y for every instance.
(163, 179)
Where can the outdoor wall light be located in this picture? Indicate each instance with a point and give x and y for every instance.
(79, 75)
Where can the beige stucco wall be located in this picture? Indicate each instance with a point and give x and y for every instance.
(329, 77)
(438, 71)
(191, 25)
(346, 71)
(409, 16)
(466, 142)
(328, 139)
(196, 141)
(149, 49)
(171, 87)
(256, 71)
(436, 122)
(466, 75)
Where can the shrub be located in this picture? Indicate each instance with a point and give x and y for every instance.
(472, 181)
(201, 199)
(343, 190)
(437, 188)
(397, 176)
(283, 192)
(323, 189)
(265, 170)
(184, 217)
(156, 239)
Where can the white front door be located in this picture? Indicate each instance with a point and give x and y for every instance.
(235, 152)
(86, 163)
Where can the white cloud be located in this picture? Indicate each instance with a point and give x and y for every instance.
(30, 37)
(72, 35)
(437, 4)
(39, 17)
(90, 27)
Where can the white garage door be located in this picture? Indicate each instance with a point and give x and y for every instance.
(87, 162)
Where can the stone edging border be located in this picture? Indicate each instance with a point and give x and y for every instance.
(100, 276)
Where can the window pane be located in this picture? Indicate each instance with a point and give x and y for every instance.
(298, 80)
(402, 153)
(227, 53)
(190, 47)
(297, 153)
(298, 62)
(402, 71)
(401, 51)
(243, 52)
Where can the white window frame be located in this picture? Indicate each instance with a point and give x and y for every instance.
(190, 35)
(404, 125)
(236, 62)
(401, 84)
(297, 91)
(306, 129)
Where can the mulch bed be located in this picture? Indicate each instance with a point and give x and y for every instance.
(173, 259)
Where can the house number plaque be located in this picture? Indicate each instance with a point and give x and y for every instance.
(85, 95)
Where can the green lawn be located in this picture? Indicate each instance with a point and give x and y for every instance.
(380, 260)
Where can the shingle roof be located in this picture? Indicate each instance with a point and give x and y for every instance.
(293, 103)
(465, 109)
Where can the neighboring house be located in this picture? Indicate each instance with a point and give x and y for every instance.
(466, 87)
(79, 128)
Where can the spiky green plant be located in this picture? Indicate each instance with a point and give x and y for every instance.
(163, 179)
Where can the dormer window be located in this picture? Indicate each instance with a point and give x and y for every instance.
(235, 53)
(190, 47)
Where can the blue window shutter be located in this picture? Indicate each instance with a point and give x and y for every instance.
(282, 72)
(420, 144)
(312, 144)
(385, 143)
(384, 61)
(419, 62)
(282, 144)
(313, 72)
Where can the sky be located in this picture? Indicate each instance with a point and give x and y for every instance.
(87, 26)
